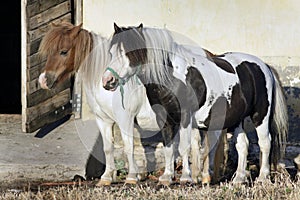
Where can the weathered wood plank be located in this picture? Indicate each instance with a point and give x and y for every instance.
(34, 46)
(35, 71)
(48, 118)
(29, 2)
(41, 5)
(33, 86)
(42, 95)
(34, 60)
(49, 15)
(50, 104)
(41, 31)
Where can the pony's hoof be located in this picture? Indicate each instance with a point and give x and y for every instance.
(239, 180)
(131, 181)
(186, 180)
(103, 183)
(165, 180)
(165, 183)
(263, 180)
(206, 180)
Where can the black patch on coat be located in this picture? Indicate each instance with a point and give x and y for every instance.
(253, 84)
(249, 98)
(223, 64)
(168, 118)
(224, 115)
(179, 101)
(197, 89)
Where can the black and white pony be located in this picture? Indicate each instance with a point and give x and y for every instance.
(216, 92)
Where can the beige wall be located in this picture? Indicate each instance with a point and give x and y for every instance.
(268, 28)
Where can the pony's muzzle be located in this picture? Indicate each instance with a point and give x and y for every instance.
(110, 83)
(46, 80)
(43, 81)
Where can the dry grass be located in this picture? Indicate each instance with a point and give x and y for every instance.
(282, 187)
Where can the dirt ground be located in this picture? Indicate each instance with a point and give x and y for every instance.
(59, 155)
(24, 158)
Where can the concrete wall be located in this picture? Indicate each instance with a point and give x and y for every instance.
(269, 29)
(265, 28)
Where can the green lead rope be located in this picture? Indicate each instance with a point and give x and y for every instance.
(122, 81)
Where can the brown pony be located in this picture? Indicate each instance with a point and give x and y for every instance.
(65, 47)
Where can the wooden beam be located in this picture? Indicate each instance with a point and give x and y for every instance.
(77, 91)
(24, 60)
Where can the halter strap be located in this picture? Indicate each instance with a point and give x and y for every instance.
(122, 81)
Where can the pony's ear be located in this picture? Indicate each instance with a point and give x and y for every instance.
(140, 27)
(53, 25)
(117, 29)
(75, 31)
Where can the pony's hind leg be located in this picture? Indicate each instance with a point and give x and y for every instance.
(242, 145)
(264, 142)
(184, 150)
(199, 157)
(106, 132)
(196, 155)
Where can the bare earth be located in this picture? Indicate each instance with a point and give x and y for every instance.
(28, 164)
(58, 156)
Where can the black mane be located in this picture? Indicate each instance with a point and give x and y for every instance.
(134, 43)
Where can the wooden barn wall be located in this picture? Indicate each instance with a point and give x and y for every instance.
(43, 106)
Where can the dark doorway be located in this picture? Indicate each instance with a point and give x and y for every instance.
(10, 57)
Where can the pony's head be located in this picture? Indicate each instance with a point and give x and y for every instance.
(128, 51)
(60, 47)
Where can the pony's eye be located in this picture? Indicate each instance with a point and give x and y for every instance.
(64, 53)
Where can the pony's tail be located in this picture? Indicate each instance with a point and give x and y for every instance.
(279, 122)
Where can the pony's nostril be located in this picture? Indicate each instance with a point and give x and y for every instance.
(111, 80)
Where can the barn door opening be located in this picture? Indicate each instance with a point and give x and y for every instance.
(42, 107)
(10, 58)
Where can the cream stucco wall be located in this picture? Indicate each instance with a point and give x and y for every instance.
(268, 28)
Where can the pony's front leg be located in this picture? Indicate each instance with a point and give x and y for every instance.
(168, 175)
(184, 150)
(196, 155)
(242, 144)
(128, 140)
(108, 147)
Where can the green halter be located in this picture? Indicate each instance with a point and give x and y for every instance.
(122, 81)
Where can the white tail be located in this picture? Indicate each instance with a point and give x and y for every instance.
(279, 124)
